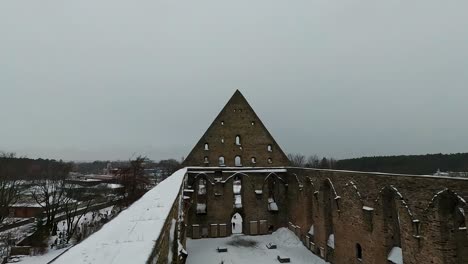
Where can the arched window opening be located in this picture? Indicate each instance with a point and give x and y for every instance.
(238, 140)
(391, 225)
(327, 201)
(269, 148)
(452, 229)
(221, 161)
(205, 160)
(238, 161)
(236, 189)
(222, 123)
(270, 161)
(358, 251)
(254, 160)
(236, 222)
(253, 123)
(207, 147)
(222, 140)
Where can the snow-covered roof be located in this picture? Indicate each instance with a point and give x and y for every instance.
(131, 236)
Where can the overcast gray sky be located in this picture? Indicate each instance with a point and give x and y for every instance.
(85, 80)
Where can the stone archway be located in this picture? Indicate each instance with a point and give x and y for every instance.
(237, 223)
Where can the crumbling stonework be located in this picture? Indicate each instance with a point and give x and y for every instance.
(357, 208)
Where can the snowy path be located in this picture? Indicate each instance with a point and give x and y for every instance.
(250, 249)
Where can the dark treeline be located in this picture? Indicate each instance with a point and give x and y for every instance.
(98, 167)
(407, 164)
(29, 169)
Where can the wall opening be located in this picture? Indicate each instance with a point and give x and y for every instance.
(253, 123)
(222, 123)
(237, 189)
(207, 146)
(392, 232)
(201, 196)
(221, 161)
(358, 251)
(238, 161)
(453, 232)
(272, 187)
(205, 160)
(254, 160)
(270, 161)
(238, 140)
(269, 148)
(328, 200)
(236, 223)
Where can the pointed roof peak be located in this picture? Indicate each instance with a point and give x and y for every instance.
(221, 143)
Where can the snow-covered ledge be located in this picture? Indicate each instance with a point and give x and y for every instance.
(133, 236)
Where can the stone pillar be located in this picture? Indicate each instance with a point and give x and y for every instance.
(195, 231)
(214, 230)
(222, 230)
(263, 227)
(253, 228)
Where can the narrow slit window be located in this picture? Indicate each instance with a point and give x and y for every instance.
(222, 123)
(221, 161)
(269, 148)
(207, 147)
(358, 251)
(222, 140)
(238, 161)
(238, 140)
(254, 160)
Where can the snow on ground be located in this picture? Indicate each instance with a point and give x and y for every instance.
(250, 249)
(130, 237)
(42, 259)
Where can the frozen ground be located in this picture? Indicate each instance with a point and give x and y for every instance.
(42, 259)
(250, 249)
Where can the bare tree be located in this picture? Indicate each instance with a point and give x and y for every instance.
(49, 190)
(74, 210)
(313, 161)
(133, 179)
(297, 160)
(9, 184)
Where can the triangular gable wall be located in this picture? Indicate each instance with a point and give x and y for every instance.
(237, 118)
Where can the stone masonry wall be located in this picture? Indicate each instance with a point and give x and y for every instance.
(426, 209)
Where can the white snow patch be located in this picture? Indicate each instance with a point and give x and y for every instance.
(272, 206)
(396, 255)
(367, 208)
(202, 251)
(130, 237)
(331, 241)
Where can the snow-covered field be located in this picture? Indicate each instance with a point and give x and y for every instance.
(250, 249)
